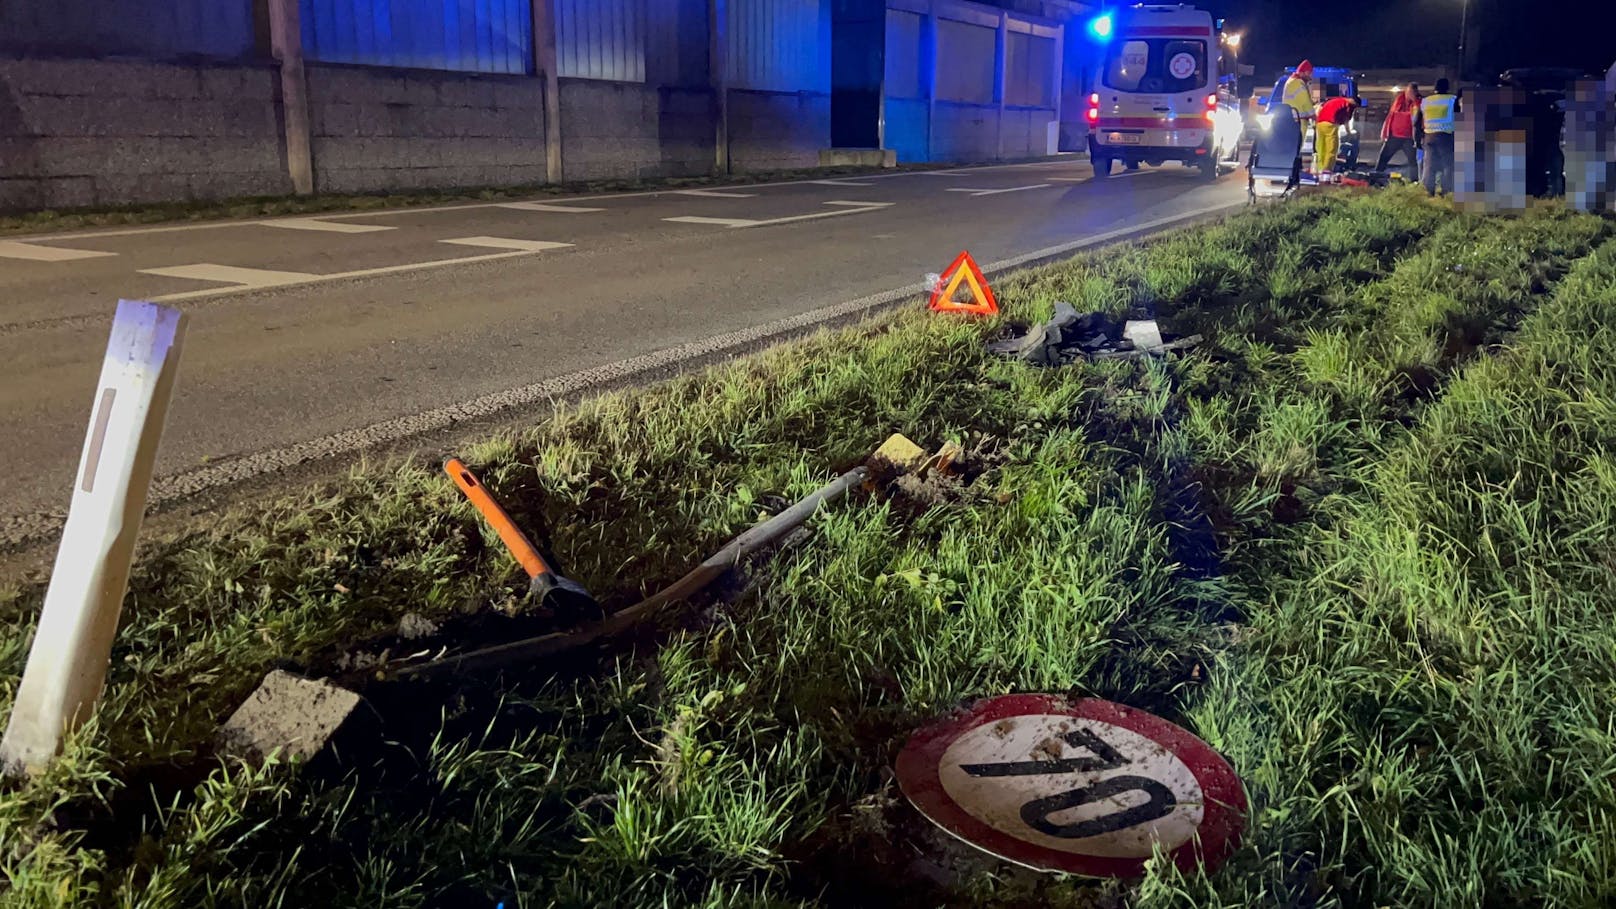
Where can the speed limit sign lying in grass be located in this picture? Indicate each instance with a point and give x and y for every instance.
(1082, 786)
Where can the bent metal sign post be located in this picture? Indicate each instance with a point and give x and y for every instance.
(1080, 786)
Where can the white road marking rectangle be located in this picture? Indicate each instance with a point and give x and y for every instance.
(995, 192)
(712, 194)
(507, 243)
(16, 249)
(839, 183)
(231, 274)
(330, 227)
(940, 173)
(547, 206)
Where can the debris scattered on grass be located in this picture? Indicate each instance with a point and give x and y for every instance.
(414, 626)
(1069, 336)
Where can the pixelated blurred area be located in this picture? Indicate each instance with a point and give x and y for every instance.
(1590, 147)
(1518, 142)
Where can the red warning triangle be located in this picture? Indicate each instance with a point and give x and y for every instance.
(964, 270)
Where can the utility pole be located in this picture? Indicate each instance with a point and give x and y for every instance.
(1464, 28)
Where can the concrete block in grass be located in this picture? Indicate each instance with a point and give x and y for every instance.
(289, 714)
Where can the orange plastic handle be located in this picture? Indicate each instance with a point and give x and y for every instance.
(517, 542)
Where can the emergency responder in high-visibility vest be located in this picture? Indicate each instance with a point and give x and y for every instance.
(1439, 111)
(1294, 91)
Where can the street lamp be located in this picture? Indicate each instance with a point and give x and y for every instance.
(1233, 41)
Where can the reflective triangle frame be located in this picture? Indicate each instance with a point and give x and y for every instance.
(964, 270)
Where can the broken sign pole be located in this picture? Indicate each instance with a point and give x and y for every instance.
(525, 651)
(68, 660)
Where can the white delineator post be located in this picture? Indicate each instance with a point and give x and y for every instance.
(68, 661)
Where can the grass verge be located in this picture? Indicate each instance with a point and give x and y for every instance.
(1358, 541)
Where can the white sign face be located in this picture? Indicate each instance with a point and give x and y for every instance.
(1074, 785)
(1182, 66)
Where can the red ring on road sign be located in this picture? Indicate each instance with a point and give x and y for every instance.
(1223, 811)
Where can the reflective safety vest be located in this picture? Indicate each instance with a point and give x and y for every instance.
(1292, 92)
(1298, 96)
(1439, 111)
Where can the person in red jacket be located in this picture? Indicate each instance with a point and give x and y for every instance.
(1398, 133)
(1333, 114)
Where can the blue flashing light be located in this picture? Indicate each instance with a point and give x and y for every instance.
(1100, 27)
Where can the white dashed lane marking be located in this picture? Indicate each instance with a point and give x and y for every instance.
(33, 252)
(995, 192)
(839, 183)
(507, 243)
(720, 222)
(231, 274)
(712, 194)
(330, 227)
(842, 208)
(546, 206)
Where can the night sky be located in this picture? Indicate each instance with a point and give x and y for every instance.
(1397, 33)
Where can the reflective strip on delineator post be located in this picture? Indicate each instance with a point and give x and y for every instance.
(67, 663)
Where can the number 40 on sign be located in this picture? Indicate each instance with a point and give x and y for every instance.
(1081, 786)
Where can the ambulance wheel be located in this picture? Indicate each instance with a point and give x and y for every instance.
(1209, 168)
(1102, 167)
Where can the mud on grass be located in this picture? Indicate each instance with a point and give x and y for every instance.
(741, 755)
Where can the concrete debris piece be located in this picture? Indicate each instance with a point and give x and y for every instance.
(901, 453)
(1180, 344)
(1143, 335)
(1068, 336)
(288, 714)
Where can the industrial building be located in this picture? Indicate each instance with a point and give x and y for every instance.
(110, 102)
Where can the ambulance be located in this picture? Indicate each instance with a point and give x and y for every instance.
(1156, 96)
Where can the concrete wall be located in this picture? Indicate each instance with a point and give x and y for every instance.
(378, 129)
(974, 133)
(83, 132)
(777, 130)
(964, 132)
(629, 129)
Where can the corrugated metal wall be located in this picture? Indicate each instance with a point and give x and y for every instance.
(967, 62)
(160, 30)
(482, 36)
(906, 74)
(676, 48)
(1030, 70)
(602, 39)
(779, 45)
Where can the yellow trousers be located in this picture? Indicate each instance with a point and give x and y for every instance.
(1326, 142)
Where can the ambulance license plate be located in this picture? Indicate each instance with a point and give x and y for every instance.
(1123, 138)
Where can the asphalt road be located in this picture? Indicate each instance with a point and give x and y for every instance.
(318, 336)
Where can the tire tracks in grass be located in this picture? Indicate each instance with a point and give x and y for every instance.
(1293, 856)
